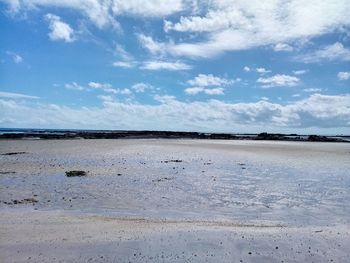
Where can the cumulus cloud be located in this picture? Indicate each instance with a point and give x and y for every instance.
(154, 8)
(279, 81)
(59, 29)
(141, 87)
(317, 111)
(263, 71)
(165, 65)
(98, 12)
(203, 80)
(106, 87)
(222, 25)
(312, 90)
(97, 85)
(126, 60)
(152, 46)
(92, 85)
(197, 90)
(208, 84)
(11, 95)
(299, 72)
(15, 57)
(105, 98)
(124, 64)
(246, 69)
(282, 47)
(74, 86)
(344, 75)
(239, 25)
(332, 52)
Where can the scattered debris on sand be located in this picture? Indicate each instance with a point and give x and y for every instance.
(13, 153)
(23, 201)
(172, 161)
(75, 173)
(163, 179)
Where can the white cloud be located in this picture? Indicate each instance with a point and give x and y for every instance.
(59, 30)
(152, 46)
(124, 64)
(344, 75)
(105, 98)
(98, 12)
(124, 91)
(282, 47)
(239, 25)
(246, 69)
(122, 53)
(312, 90)
(203, 80)
(11, 95)
(103, 13)
(279, 81)
(263, 71)
(106, 87)
(194, 90)
(224, 25)
(332, 52)
(126, 60)
(92, 85)
(141, 87)
(214, 91)
(299, 72)
(315, 113)
(15, 57)
(153, 8)
(197, 90)
(165, 65)
(97, 85)
(74, 86)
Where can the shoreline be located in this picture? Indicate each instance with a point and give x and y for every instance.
(72, 134)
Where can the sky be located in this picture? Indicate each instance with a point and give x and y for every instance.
(185, 65)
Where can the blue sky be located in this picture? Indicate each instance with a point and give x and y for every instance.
(189, 65)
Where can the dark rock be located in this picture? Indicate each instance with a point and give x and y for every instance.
(270, 136)
(75, 173)
(23, 201)
(11, 172)
(173, 161)
(13, 153)
(318, 138)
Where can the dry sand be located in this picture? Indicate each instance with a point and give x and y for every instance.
(174, 201)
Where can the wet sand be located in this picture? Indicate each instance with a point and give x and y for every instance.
(174, 201)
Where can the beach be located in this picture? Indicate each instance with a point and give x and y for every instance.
(180, 200)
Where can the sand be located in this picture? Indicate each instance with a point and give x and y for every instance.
(174, 201)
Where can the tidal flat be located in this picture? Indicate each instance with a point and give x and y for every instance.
(164, 200)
